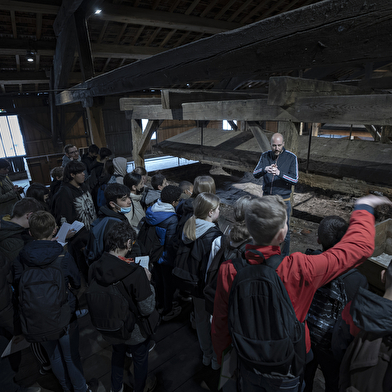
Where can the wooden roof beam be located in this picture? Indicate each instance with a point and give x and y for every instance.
(12, 5)
(284, 90)
(168, 20)
(326, 33)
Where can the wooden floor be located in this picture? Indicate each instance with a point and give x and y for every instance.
(176, 360)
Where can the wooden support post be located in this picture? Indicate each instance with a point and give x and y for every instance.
(137, 135)
(259, 135)
(386, 135)
(290, 131)
(315, 129)
(96, 126)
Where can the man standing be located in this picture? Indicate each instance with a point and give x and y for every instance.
(279, 169)
(71, 153)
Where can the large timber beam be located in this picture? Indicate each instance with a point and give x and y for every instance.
(173, 99)
(284, 90)
(12, 5)
(168, 20)
(329, 32)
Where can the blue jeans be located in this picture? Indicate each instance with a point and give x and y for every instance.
(251, 382)
(140, 362)
(65, 360)
(286, 244)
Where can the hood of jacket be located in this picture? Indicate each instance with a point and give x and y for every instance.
(202, 226)
(8, 228)
(372, 313)
(39, 253)
(106, 211)
(120, 166)
(159, 212)
(152, 196)
(110, 269)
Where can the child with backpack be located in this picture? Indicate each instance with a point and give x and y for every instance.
(327, 305)
(44, 276)
(271, 353)
(121, 302)
(200, 241)
(150, 196)
(162, 220)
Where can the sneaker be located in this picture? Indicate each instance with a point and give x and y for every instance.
(152, 346)
(45, 369)
(151, 383)
(206, 360)
(174, 313)
(81, 312)
(92, 385)
(215, 365)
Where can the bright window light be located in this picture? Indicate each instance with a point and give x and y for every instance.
(144, 125)
(11, 140)
(227, 126)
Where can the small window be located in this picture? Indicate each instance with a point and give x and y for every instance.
(11, 140)
(227, 126)
(144, 124)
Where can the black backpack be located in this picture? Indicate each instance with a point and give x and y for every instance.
(43, 302)
(190, 265)
(327, 306)
(96, 243)
(110, 309)
(262, 323)
(226, 252)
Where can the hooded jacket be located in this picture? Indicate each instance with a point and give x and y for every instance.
(164, 218)
(8, 197)
(12, 238)
(151, 196)
(111, 269)
(120, 169)
(137, 213)
(41, 253)
(288, 176)
(367, 364)
(71, 203)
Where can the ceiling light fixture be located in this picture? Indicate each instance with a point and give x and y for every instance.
(30, 56)
(97, 12)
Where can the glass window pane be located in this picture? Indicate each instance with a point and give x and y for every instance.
(16, 135)
(6, 137)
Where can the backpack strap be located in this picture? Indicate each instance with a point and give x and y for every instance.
(272, 262)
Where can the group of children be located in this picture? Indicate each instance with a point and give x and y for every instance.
(188, 253)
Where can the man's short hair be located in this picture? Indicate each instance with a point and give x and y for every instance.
(157, 180)
(115, 191)
(24, 206)
(73, 167)
(4, 163)
(57, 172)
(41, 224)
(264, 217)
(118, 236)
(93, 149)
(67, 147)
(170, 194)
(131, 179)
(331, 230)
(104, 152)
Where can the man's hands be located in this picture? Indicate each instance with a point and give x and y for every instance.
(373, 201)
(273, 169)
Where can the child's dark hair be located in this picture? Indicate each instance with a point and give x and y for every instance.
(115, 191)
(24, 206)
(94, 149)
(170, 194)
(4, 163)
(37, 191)
(118, 236)
(42, 224)
(331, 230)
(132, 179)
(157, 180)
(185, 185)
(140, 170)
(104, 152)
(108, 167)
(57, 172)
(73, 167)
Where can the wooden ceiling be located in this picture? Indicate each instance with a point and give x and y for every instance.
(130, 32)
